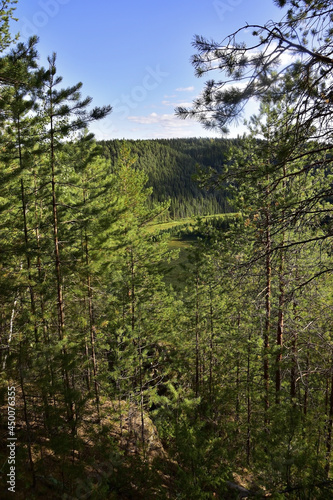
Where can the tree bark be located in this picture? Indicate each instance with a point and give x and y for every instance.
(268, 313)
(280, 328)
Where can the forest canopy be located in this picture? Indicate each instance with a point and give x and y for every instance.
(137, 362)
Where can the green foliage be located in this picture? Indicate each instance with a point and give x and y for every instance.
(171, 167)
(142, 371)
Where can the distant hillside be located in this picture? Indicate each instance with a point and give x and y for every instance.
(171, 164)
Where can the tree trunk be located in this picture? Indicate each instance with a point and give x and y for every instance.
(60, 303)
(211, 344)
(268, 313)
(197, 362)
(329, 432)
(26, 419)
(280, 327)
(249, 405)
(92, 328)
(26, 240)
(293, 371)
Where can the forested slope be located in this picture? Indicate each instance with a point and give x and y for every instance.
(171, 165)
(115, 382)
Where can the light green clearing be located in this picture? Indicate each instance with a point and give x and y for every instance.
(161, 226)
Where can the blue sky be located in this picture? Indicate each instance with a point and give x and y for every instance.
(135, 55)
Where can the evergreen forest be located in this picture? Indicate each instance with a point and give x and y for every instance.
(173, 168)
(166, 306)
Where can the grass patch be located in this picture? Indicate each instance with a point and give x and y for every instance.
(182, 237)
(177, 271)
(188, 221)
(163, 226)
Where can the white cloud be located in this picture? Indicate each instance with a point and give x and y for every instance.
(155, 126)
(238, 85)
(170, 126)
(154, 118)
(285, 58)
(185, 89)
(175, 104)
